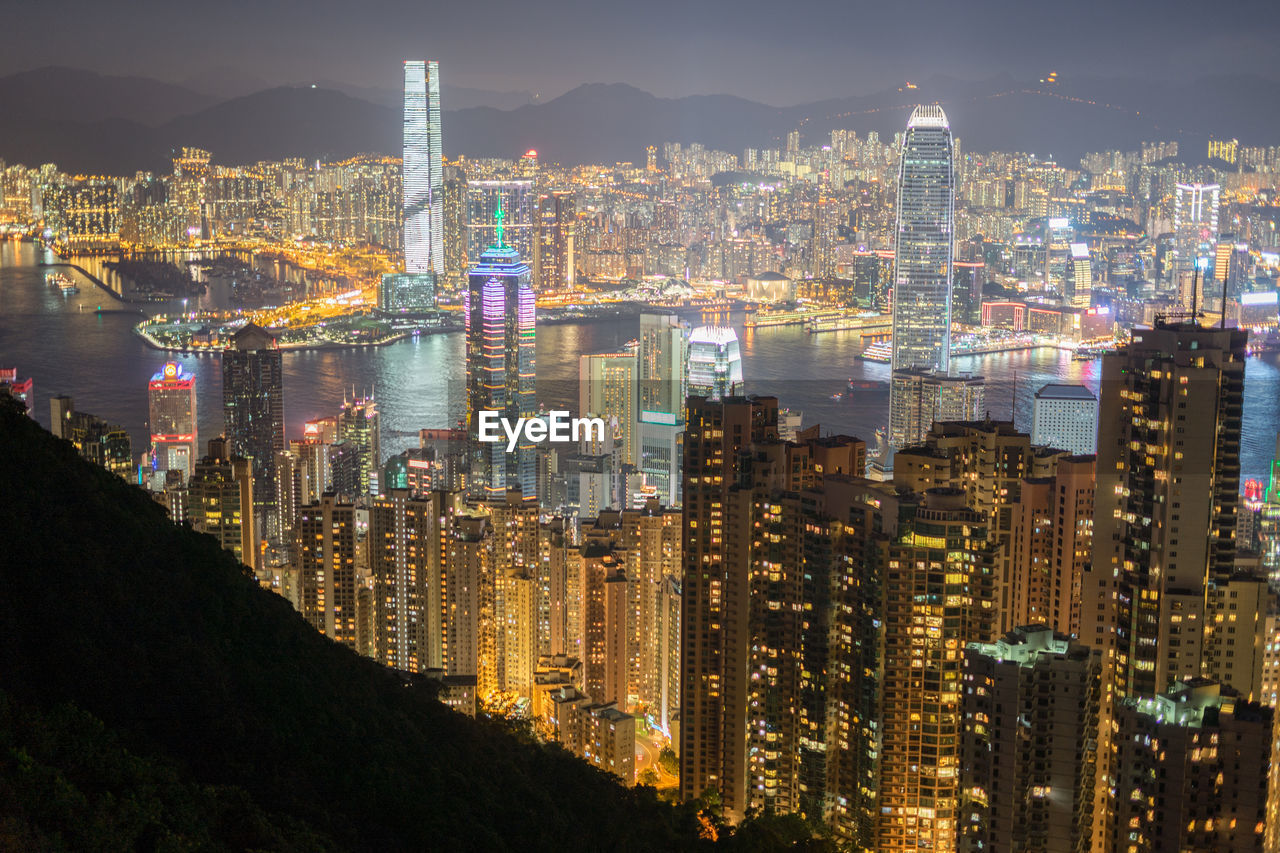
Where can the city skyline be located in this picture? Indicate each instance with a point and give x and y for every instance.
(932, 504)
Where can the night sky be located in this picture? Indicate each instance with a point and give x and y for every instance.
(776, 51)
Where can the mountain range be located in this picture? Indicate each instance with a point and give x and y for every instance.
(96, 124)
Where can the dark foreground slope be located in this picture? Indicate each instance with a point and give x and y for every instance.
(153, 697)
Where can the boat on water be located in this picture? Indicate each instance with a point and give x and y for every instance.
(62, 281)
(880, 351)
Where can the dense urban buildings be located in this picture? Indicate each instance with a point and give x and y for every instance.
(1046, 621)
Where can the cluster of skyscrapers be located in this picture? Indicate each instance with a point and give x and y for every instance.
(976, 639)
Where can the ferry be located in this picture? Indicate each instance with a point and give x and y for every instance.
(62, 281)
(880, 351)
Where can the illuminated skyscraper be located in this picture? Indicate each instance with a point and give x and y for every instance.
(405, 561)
(1082, 276)
(607, 389)
(358, 430)
(715, 363)
(517, 201)
(922, 266)
(220, 501)
(253, 411)
(663, 366)
(1195, 223)
(172, 397)
(919, 397)
(922, 269)
(553, 261)
(324, 562)
(423, 171)
(1165, 505)
(500, 320)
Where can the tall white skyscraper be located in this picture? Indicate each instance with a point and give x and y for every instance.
(1195, 222)
(423, 171)
(922, 260)
(922, 265)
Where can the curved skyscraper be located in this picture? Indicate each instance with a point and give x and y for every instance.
(922, 265)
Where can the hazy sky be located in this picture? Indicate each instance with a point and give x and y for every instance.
(777, 51)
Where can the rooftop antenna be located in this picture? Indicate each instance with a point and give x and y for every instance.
(499, 215)
(1222, 324)
(1013, 401)
(1195, 288)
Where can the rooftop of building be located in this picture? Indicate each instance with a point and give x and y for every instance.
(1023, 645)
(718, 335)
(1062, 391)
(252, 337)
(928, 115)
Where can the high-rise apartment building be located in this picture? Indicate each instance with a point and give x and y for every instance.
(641, 549)
(1050, 547)
(714, 597)
(324, 563)
(1167, 490)
(1065, 417)
(781, 618)
(938, 583)
(172, 398)
(1191, 771)
(360, 434)
(253, 413)
(220, 501)
(405, 561)
(1028, 747)
(500, 324)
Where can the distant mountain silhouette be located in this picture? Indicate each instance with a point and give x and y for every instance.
(127, 129)
(59, 93)
(287, 122)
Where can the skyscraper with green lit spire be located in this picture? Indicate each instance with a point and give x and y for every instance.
(500, 321)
